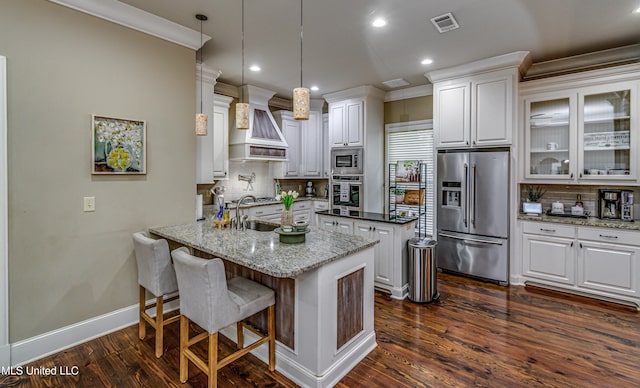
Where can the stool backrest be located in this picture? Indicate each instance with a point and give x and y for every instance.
(155, 270)
(204, 297)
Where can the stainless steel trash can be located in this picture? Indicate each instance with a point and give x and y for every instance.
(422, 270)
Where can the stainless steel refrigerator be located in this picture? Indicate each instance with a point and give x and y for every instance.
(473, 214)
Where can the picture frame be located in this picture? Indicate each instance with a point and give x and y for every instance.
(118, 146)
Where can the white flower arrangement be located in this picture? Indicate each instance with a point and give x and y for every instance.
(287, 198)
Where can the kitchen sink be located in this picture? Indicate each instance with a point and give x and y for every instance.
(261, 226)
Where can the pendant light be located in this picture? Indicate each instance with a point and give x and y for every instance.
(242, 108)
(301, 94)
(202, 121)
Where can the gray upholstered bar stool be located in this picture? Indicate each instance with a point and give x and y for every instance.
(156, 275)
(213, 303)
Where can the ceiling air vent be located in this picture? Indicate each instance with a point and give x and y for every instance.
(445, 22)
(396, 83)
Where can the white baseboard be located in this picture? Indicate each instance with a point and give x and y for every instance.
(299, 374)
(34, 348)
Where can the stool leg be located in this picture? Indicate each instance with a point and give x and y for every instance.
(213, 360)
(142, 330)
(184, 340)
(272, 338)
(240, 335)
(159, 326)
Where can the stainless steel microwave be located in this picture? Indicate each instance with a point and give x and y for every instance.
(347, 161)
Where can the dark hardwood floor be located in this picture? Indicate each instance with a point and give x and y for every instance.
(478, 334)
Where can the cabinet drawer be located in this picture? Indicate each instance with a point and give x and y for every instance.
(258, 211)
(301, 205)
(320, 205)
(549, 229)
(614, 236)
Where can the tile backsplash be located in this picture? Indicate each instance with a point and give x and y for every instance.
(568, 194)
(263, 186)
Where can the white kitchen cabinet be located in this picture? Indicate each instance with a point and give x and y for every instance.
(318, 206)
(582, 128)
(390, 270)
(474, 104)
(270, 213)
(548, 252)
(601, 262)
(384, 255)
(304, 155)
(346, 123)
(335, 224)
(302, 211)
(476, 111)
(212, 150)
(326, 147)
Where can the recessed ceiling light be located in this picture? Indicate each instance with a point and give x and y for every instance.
(426, 61)
(255, 68)
(637, 10)
(315, 88)
(379, 22)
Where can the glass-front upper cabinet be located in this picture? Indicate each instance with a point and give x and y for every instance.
(550, 130)
(607, 144)
(583, 135)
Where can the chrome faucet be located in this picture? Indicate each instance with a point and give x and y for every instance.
(238, 223)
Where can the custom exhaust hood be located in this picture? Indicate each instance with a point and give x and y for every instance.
(263, 140)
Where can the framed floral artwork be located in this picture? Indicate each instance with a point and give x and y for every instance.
(118, 145)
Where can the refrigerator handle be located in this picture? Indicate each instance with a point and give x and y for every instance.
(469, 239)
(473, 196)
(466, 181)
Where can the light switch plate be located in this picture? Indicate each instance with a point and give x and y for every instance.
(89, 204)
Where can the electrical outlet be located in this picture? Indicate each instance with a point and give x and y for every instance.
(89, 204)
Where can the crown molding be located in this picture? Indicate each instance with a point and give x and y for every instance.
(209, 74)
(227, 90)
(403, 94)
(520, 59)
(584, 62)
(139, 20)
(360, 91)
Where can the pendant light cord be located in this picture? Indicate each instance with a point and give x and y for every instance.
(301, 36)
(242, 81)
(201, 65)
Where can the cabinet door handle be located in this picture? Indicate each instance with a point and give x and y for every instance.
(369, 229)
(571, 176)
(474, 142)
(547, 230)
(571, 244)
(580, 245)
(607, 236)
(374, 228)
(580, 175)
(467, 142)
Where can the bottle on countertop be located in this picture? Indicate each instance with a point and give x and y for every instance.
(226, 217)
(579, 201)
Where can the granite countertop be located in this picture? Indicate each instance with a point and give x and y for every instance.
(368, 216)
(262, 251)
(591, 221)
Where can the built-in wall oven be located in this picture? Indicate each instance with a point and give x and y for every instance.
(346, 192)
(347, 161)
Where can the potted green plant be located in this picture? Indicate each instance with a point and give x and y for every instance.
(534, 193)
(399, 194)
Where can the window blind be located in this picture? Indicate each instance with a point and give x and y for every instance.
(415, 145)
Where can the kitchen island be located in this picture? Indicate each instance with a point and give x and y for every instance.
(324, 293)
